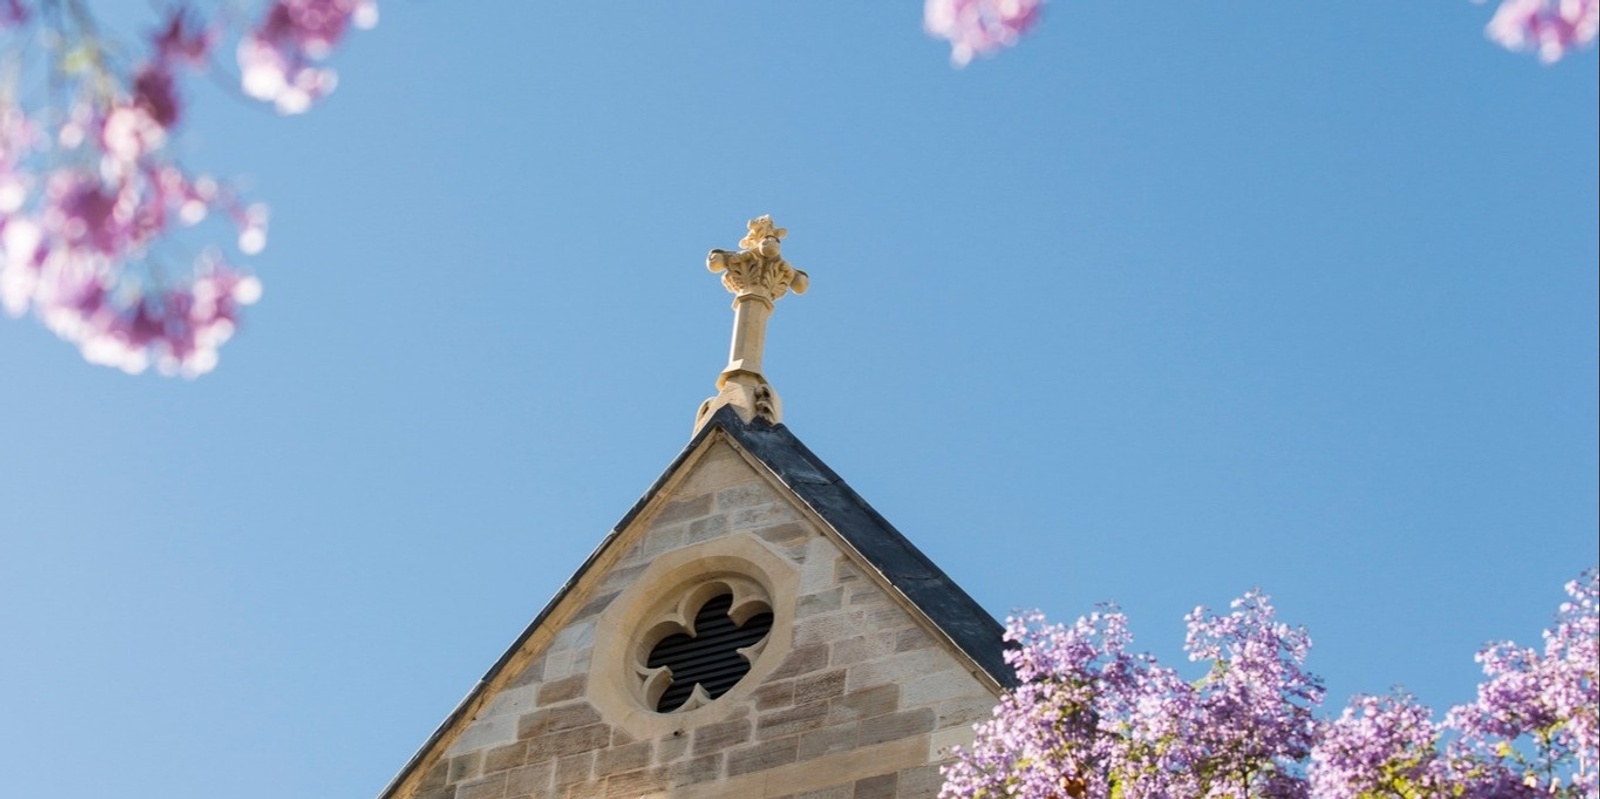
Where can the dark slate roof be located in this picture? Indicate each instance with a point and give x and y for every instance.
(906, 568)
(932, 591)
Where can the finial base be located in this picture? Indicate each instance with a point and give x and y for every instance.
(748, 393)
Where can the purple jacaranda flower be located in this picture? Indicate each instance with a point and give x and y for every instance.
(1550, 27)
(182, 40)
(177, 329)
(1538, 713)
(91, 195)
(1253, 713)
(128, 134)
(1379, 745)
(87, 214)
(1092, 720)
(155, 92)
(277, 60)
(975, 27)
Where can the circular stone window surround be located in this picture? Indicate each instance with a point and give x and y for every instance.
(663, 600)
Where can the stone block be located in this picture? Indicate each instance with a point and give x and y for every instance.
(511, 702)
(635, 783)
(818, 686)
(962, 712)
(826, 741)
(563, 689)
(821, 602)
(559, 664)
(671, 747)
(695, 770)
(895, 726)
(901, 666)
(868, 596)
(941, 742)
(763, 755)
(773, 694)
(744, 496)
(620, 578)
(922, 782)
(720, 468)
(826, 628)
(575, 768)
(531, 673)
(618, 759)
(666, 539)
(761, 516)
(802, 660)
(684, 510)
(569, 742)
(706, 529)
(786, 534)
(846, 572)
(465, 767)
(436, 777)
(866, 703)
(576, 635)
(505, 757)
(941, 687)
(491, 787)
(821, 555)
(484, 733)
(594, 606)
(587, 790)
(555, 719)
(791, 720)
(720, 736)
(880, 787)
(856, 649)
(912, 638)
(531, 779)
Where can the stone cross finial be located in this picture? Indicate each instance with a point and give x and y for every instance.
(757, 275)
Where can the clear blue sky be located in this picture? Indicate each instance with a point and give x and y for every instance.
(1167, 303)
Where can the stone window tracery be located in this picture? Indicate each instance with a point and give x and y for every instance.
(704, 645)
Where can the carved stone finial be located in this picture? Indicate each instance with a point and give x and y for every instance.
(758, 267)
(757, 275)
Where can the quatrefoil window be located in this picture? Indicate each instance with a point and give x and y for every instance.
(705, 645)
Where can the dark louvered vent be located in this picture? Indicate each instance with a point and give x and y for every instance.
(709, 657)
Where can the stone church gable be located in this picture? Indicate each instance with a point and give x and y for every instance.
(869, 662)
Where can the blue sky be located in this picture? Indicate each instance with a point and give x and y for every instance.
(1160, 306)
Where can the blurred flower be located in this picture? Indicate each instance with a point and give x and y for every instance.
(276, 59)
(979, 26)
(92, 200)
(1552, 28)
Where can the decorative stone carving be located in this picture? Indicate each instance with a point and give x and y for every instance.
(758, 268)
(757, 275)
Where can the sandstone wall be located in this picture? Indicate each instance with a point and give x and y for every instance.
(859, 701)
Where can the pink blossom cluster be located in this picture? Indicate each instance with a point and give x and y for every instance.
(979, 27)
(1090, 720)
(1552, 28)
(94, 207)
(280, 60)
